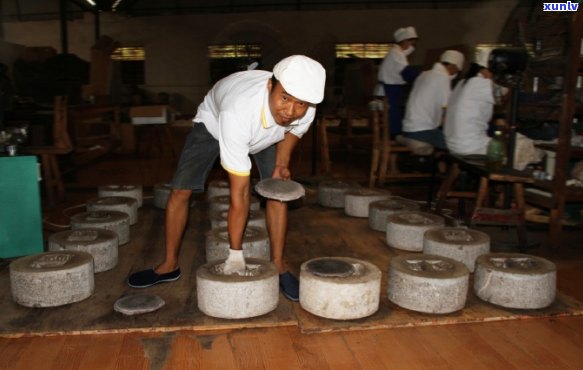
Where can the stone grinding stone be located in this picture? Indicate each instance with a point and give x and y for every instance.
(380, 209)
(357, 201)
(461, 244)
(427, 283)
(278, 189)
(52, 279)
(100, 243)
(341, 292)
(137, 304)
(406, 230)
(120, 204)
(515, 280)
(235, 296)
(217, 188)
(256, 218)
(118, 222)
(223, 202)
(255, 244)
(130, 191)
(331, 193)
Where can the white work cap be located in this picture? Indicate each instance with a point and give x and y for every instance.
(302, 77)
(405, 33)
(482, 56)
(453, 57)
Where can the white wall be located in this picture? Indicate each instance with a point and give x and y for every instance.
(176, 46)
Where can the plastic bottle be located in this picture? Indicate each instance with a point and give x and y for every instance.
(495, 152)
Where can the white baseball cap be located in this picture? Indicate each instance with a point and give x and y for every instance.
(453, 57)
(405, 33)
(482, 56)
(302, 77)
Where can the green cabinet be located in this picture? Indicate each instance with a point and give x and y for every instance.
(20, 211)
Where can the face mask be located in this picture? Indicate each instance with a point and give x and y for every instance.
(453, 77)
(408, 51)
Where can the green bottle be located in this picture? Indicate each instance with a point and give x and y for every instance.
(495, 152)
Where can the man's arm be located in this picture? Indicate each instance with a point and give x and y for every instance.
(238, 210)
(283, 154)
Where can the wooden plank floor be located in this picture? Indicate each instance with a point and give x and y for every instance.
(546, 343)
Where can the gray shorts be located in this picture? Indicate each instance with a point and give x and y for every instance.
(199, 154)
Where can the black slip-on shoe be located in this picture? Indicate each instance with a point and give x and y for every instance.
(147, 278)
(290, 286)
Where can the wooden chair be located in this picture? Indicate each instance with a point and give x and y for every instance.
(53, 183)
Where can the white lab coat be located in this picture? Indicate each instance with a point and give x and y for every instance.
(469, 110)
(391, 67)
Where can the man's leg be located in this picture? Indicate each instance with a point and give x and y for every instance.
(276, 213)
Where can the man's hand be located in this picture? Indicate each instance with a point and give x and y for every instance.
(281, 172)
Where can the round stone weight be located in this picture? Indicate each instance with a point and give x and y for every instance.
(118, 222)
(130, 191)
(458, 243)
(255, 244)
(235, 296)
(223, 202)
(120, 204)
(357, 201)
(219, 219)
(331, 193)
(137, 304)
(380, 209)
(278, 189)
(217, 188)
(515, 280)
(52, 279)
(406, 230)
(340, 288)
(100, 243)
(429, 284)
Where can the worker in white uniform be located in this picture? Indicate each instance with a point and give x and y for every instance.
(428, 100)
(395, 72)
(255, 113)
(470, 109)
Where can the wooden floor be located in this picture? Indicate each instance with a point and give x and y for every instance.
(549, 343)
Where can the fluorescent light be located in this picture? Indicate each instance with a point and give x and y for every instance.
(91, 2)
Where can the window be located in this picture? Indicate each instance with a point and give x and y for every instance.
(131, 59)
(529, 48)
(230, 58)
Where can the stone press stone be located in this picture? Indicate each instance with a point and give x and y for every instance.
(380, 209)
(223, 202)
(357, 201)
(461, 244)
(406, 230)
(235, 296)
(219, 219)
(100, 243)
(429, 284)
(255, 244)
(120, 204)
(131, 191)
(118, 222)
(52, 279)
(340, 288)
(331, 193)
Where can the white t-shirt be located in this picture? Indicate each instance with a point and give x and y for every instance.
(236, 113)
(392, 66)
(427, 99)
(469, 111)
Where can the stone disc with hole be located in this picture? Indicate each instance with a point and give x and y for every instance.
(380, 209)
(331, 193)
(120, 204)
(357, 201)
(131, 191)
(406, 230)
(217, 188)
(255, 244)
(219, 219)
(52, 279)
(223, 202)
(137, 304)
(427, 283)
(458, 243)
(515, 280)
(100, 243)
(278, 189)
(340, 288)
(235, 296)
(118, 222)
